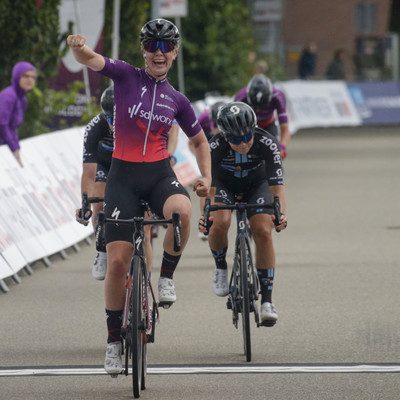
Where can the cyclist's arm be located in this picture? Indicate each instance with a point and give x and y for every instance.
(285, 135)
(84, 54)
(88, 178)
(202, 152)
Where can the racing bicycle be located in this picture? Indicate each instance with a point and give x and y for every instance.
(141, 311)
(243, 284)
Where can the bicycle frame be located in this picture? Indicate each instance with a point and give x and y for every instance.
(244, 280)
(138, 327)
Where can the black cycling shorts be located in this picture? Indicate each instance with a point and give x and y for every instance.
(128, 183)
(258, 193)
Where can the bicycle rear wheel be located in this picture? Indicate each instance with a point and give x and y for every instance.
(137, 326)
(243, 254)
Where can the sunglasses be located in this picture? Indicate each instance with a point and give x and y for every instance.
(239, 139)
(154, 45)
(110, 120)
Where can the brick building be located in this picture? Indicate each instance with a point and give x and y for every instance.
(360, 27)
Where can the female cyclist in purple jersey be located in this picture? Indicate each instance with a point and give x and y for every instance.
(145, 107)
(268, 103)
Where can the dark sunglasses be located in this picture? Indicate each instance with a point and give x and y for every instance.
(154, 45)
(110, 120)
(239, 139)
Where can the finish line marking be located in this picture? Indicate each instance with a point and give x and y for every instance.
(194, 370)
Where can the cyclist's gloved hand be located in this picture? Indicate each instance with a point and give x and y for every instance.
(202, 228)
(85, 220)
(283, 224)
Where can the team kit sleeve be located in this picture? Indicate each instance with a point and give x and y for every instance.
(187, 118)
(269, 147)
(281, 107)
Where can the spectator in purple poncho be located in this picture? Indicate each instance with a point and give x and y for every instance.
(13, 103)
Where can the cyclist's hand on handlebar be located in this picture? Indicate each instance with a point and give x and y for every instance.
(283, 224)
(84, 221)
(202, 228)
(202, 186)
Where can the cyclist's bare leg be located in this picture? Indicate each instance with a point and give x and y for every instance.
(218, 237)
(119, 255)
(180, 203)
(261, 226)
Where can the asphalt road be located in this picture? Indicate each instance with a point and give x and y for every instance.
(336, 292)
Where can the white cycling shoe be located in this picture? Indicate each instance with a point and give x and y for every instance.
(100, 266)
(113, 361)
(268, 312)
(220, 282)
(166, 290)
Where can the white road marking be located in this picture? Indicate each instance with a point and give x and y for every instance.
(180, 370)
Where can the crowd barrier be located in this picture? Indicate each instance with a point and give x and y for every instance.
(38, 201)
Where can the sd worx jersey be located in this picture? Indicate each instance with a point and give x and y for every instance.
(267, 115)
(145, 109)
(242, 171)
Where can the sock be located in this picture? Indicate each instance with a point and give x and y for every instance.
(114, 322)
(219, 258)
(168, 265)
(266, 278)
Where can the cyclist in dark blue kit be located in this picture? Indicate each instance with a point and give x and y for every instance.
(145, 108)
(97, 155)
(246, 167)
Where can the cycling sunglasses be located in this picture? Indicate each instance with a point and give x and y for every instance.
(110, 120)
(153, 45)
(239, 139)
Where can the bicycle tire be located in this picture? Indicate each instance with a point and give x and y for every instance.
(245, 298)
(137, 326)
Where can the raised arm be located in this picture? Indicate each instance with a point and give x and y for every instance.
(84, 54)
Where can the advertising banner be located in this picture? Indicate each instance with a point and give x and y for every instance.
(5, 270)
(17, 218)
(63, 174)
(376, 102)
(11, 260)
(318, 104)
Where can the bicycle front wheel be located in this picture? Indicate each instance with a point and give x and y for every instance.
(137, 324)
(244, 286)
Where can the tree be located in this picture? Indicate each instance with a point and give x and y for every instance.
(39, 42)
(217, 42)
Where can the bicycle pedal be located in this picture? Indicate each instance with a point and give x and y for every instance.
(268, 323)
(165, 304)
(114, 375)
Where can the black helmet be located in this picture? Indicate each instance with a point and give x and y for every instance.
(259, 91)
(107, 102)
(214, 110)
(236, 119)
(159, 29)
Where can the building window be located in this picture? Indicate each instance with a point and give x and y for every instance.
(365, 18)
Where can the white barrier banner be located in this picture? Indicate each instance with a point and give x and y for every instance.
(11, 260)
(59, 196)
(47, 200)
(318, 104)
(17, 217)
(5, 270)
